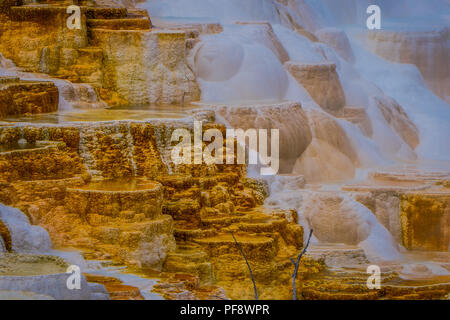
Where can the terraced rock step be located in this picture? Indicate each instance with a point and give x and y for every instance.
(420, 292)
(260, 224)
(41, 160)
(184, 286)
(184, 209)
(38, 13)
(347, 279)
(8, 79)
(5, 238)
(133, 19)
(45, 10)
(42, 275)
(111, 216)
(115, 288)
(409, 175)
(131, 238)
(128, 23)
(176, 181)
(221, 221)
(210, 214)
(81, 65)
(190, 27)
(322, 83)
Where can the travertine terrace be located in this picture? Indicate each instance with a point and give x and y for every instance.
(86, 123)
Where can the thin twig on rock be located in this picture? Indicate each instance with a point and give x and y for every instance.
(297, 264)
(248, 265)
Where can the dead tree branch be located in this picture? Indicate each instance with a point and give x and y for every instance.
(248, 265)
(297, 265)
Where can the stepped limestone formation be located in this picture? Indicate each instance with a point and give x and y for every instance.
(88, 175)
(132, 220)
(19, 97)
(426, 50)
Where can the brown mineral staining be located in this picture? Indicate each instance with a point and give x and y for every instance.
(179, 225)
(12, 264)
(399, 120)
(115, 288)
(39, 162)
(205, 247)
(413, 206)
(423, 49)
(6, 236)
(27, 97)
(322, 83)
(359, 117)
(110, 199)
